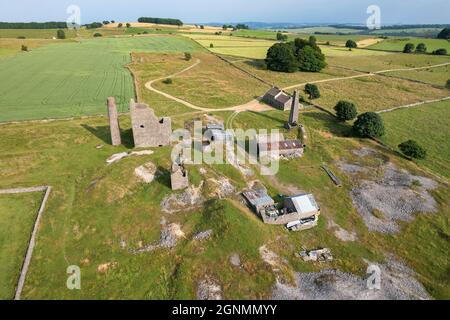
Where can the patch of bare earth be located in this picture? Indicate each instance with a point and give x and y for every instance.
(341, 233)
(397, 196)
(397, 283)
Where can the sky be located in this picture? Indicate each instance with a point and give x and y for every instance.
(204, 11)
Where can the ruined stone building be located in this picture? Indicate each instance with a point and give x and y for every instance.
(277, 98)
(293, 116)
(114, 122)
(148, 130)
(179, 177)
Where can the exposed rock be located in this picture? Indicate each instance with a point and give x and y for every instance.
(235, 260)
(185, 201)
(102, 268)
(204, 235)
(170, 234)
(350, 168)
(222, 188)
(396, 197)
(364, 152)
(119, 156)
(209, 289)
(146, 172)
(397, 283)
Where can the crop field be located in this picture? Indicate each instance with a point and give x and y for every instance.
(34, 33)
(311, 30)
(376, 93)
(17, 216)
(429, 125)
(74, 79)
(397, 44)
(10, 47)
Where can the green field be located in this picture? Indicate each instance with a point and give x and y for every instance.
(430, 126)
(34, 33)
(74, 79)
(397, 44)
(17, 216)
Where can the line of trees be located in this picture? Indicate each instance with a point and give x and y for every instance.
(33, 25)
(174, 22)
(94, 25)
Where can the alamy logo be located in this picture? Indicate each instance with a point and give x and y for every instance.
(374, 21)
(74, 280)
(374, 279)
(74, 20)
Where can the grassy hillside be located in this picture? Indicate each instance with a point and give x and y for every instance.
(34, 33)
(430, 126)
(74, 79)
(17, 215)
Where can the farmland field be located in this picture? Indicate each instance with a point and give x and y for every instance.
(74, 79)
(34, 33)
(397, 44)
(436, 76)
(17, 215)
(430, 126)
(9, 47)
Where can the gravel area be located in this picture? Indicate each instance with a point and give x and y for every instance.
(350, 168)
(204, 235)
(397, 196)
(397, 283)
(209, 289)
(170, 234)
(364, 152)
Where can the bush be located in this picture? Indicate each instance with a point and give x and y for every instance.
(120, 25)
(448, 84)
(345, 111)
(24, 48)
(168, 81)
(409, 48)
(187, 56)
(128, 25)
(313, 91)
(97, 35)
(281, 37)
(60, 34)
(369, 124)
(351, 44)
(21, 37)
(440, 52)
(412, 149)
(421, 48)
(211, 45)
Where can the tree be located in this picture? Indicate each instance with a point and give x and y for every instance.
(97, 35)
(345, 110)
(440, 52)
(421, 48)
(112, 21)
(202, 27)
(60, 34)
(24, 48)
(312, 90)
(240, 26)
(409, 48)
(312, 41)
(412, 149)
(351, 44)
(175, 22)
(444, 34)
(281, 37)
(105, 22)
(448, 84)
(281, 57)
(311, 60)
(369, 124)
(128, 25)
(211, 45)
(120, 25)
(187, 56)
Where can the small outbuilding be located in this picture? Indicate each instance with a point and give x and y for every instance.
(277, 98)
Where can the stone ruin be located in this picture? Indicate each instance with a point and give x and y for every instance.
(179, 176)
(114, 122)
(293, 116)
(148, 129)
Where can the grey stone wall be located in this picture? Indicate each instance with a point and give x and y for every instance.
(114, 122)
